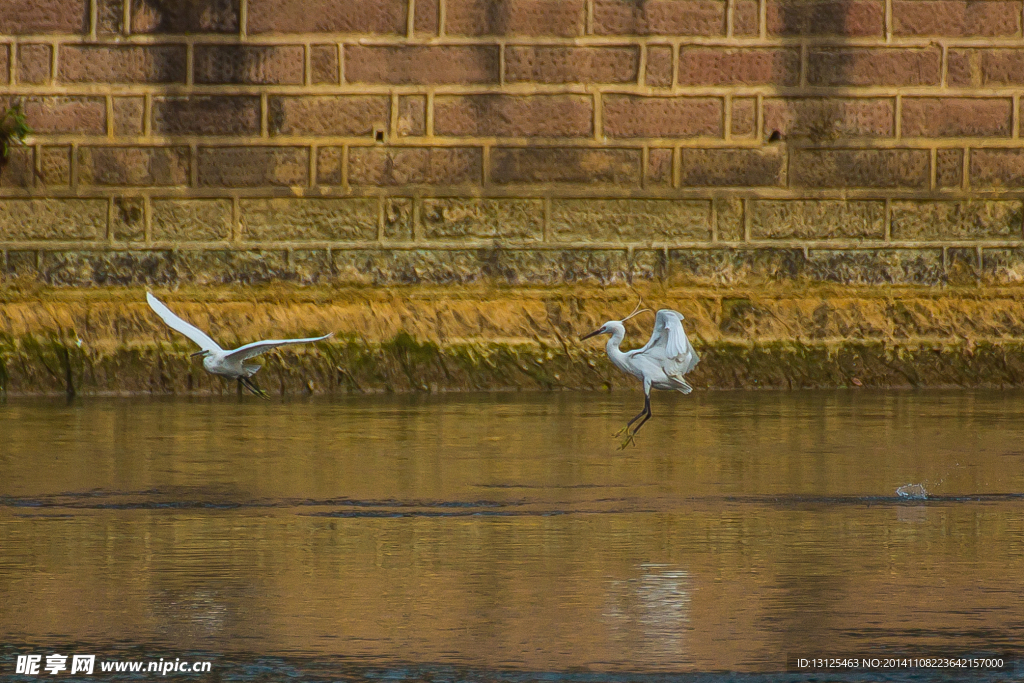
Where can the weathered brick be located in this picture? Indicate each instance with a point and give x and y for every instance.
(739, 66)
(110, 17)
(659, 17)
(191, 220)
(44, 16)
(206, 115)
(129, 113)
(728, 265)
(744, 117)
(427, 17)
(565, 165)
(33, 63)
(746, 18)
(879, 168)
(659, 66)
(874, 66)
(5, 64)
(327, 16)
(813, 17)
(630, 220)
(956, 18)
(185, 16)
(997, 168)
(414, 165)
(729, 217)
(635, 116)
(515, 17)
(732, 167)
(554, 64)
(55, 165)
(986, 67)
(963, 68)
(245, 64)
(1001, 266)
(827, 118)
(817, 219)
(876, 266)
(980, 219)
(949, 168)
(659, 167)
(18, 170)
(517, 219)
(957, 117)
(253, 166)
(330, 163)
(53, 219)
(348, 219)
(514, 116)
(128, 221)
(421, 64)
(328, 114)
(82, 115)
(323, 61)
(397, 219)
(133, 166)
(122, 64)
(412, 116)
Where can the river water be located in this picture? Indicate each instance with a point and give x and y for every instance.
(503, 537)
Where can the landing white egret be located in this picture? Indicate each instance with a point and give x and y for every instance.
(217, 361)
(660, 364)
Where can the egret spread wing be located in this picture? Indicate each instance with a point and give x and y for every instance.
(670, 343)
(176, 323)
(256, 348)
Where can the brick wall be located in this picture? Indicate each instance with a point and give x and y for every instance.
(541, 141)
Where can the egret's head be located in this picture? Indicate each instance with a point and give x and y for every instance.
(607, 328)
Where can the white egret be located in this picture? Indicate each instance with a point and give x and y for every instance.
(217, 361)
(660, 364)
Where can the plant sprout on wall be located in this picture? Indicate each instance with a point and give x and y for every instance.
(13, 130)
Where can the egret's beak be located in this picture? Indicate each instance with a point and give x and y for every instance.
(592, 334)
(198, 353)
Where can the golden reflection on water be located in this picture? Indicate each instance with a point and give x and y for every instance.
(507, 532)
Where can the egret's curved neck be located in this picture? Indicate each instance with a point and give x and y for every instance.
(612, 347)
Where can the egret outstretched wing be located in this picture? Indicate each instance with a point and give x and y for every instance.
(256, 348)
(176, 323)
(669, 340)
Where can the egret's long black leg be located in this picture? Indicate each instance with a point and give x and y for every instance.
(251, 386)
(647, 410)
(625, 430)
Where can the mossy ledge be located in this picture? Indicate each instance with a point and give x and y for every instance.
(426, 338)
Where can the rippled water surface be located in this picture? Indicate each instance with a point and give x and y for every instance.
(502, 537)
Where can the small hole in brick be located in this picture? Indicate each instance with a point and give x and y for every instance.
(775, 136)
(378, 135)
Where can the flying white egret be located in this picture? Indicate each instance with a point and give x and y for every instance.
(217, 361)
(660, 364)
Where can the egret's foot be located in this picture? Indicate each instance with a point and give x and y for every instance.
(254, 388)
(624, 430)
(628, 440)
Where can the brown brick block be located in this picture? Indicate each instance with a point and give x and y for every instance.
(739, 66)
(44, 16)
(53, 219)
(659, 17)
(412, 116)
(85, 115)
(327, 16)
(814, 17)
(956, 18)
(427, 17)
(514, 116)
(18, 169)
(963, 68)
(133, 166)
(5, 64)
(323, 60)
(565, 165)
(129, 113)
(128, 222)
(253, 166)
(553, 64)
(826, 118)
(744, 117)
(110, 17)
(421, 64)
(349, 219)
(55, 166)
(328, 114)
(122, 64)
(874, 66)
(515, 219)
(397, 219)
(997, 168)
(982, 219)
(878, 168)
(414, 165)
(949, 168)
(635, 116)
(330, 162)
(244, 64)
(630, 220)
(206, 115)
(987, 67)
(817, 219)
(729, 218)
(659, 66)
(185, 16)
(515, 17)
(746, 18)
(33, 63)
(659, 167)
(191, 220)
(732, 167)
(957, 117)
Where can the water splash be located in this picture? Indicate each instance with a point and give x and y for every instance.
(912, 491)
